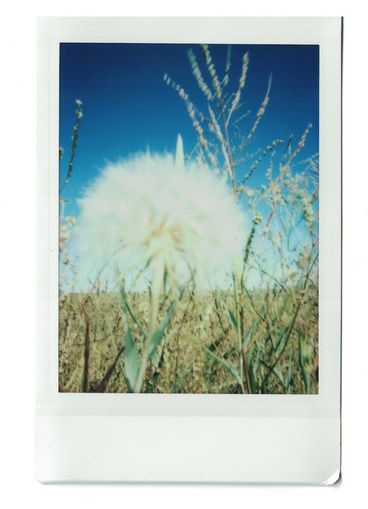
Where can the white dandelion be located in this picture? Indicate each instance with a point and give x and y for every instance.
(157, 215)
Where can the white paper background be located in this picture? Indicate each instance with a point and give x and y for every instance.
(19, 487)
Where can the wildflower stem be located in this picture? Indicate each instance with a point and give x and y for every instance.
(157, 281)
(78, 116)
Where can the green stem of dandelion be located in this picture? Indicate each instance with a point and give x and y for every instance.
(157, 281)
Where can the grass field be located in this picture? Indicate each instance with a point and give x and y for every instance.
(199, 352)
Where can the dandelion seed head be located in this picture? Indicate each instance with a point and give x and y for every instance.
(154, 208)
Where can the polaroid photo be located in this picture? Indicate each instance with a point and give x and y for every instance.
(189, 250)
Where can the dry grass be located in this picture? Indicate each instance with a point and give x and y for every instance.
(200, 324)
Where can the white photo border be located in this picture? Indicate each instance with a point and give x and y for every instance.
(183, 437)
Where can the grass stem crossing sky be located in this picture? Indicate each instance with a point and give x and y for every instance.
(128, 108)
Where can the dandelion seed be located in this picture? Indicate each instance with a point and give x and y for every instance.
(154, 212)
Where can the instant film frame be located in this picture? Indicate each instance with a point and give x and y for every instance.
(182, 437)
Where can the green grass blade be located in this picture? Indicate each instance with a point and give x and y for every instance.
(232, 319)
(160, 332)
(131, 363)
(128, 308)
(226, 365)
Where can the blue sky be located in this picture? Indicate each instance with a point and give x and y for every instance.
(128, 108)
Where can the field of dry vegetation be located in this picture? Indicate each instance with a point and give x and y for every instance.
(200, 350)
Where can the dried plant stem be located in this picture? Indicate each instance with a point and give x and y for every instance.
(86, 351)
(292, 323)
(238, 315)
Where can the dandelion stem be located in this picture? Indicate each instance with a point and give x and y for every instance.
(156, 287)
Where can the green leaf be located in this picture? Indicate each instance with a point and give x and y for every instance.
(250, 371)
(128, 308)
(131, 363)
(232, 318)
(157, 362)
(226, 365)
(279, 375)
(247, 338)
(160, 332)
(156, 357)
(281, 337)
(249, 335)
(274, 371)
